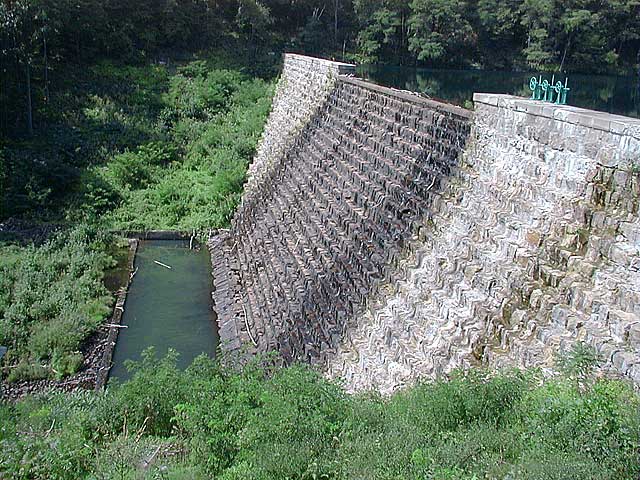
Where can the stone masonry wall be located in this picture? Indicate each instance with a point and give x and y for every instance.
(387, 237)
(534, 246)
(329, 220)
(304, 85)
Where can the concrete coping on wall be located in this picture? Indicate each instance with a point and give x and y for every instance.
(411, 97)
(607, 122)
(340, 67)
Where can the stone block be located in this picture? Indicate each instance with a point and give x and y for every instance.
(513, 229)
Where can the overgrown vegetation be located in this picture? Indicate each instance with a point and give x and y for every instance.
(271, 423)
(127, 148)
(141, 147)
(106, 124)
(190, 174)
(213, 120)
(51, 298)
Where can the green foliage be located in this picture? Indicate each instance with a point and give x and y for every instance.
(40, 40)
(138, 148)
(441, 29)
(215, 119)
(579, 362)
(311, 419)
(52, 298)
(153, 150)
(383, 30)
(103, 111)
(269, 423)
(200, 94)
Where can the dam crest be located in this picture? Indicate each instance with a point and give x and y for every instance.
(386, 237)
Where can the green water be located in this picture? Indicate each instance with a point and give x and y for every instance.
(167, 308)
(614, 94)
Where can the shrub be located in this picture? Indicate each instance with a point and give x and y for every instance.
(265, 422)
(203, 190)
(198, 95)
(54, 298)
(100, 196)
(294, 435)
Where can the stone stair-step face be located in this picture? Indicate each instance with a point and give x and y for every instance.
(533, 248)
(323, 223)
(388, 238)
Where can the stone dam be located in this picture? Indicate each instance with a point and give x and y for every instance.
(386, 237)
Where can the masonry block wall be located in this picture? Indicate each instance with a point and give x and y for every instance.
(387, 237)
(534, 246)
(331, 215)
(304, 86)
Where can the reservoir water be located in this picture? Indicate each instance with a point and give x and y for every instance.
(167, 307)
(613, 94)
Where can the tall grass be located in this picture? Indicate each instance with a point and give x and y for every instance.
(271, 423)
(51, 298)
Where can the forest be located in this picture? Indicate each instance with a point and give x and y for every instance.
(134, 115)
(38, 37)
(55, 58)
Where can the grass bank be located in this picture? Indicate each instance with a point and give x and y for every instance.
(270, 423)
(52, 297)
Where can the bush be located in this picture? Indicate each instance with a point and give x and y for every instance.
(136, 147)
(295, 435)
(199, 94)
(264, 422)
(203, 190)
(53, 298)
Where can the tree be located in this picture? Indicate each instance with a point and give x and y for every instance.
(620, 19)
(579, 37)
(383, 30)
(538, 19)
(500, 33)
(253, 18)
(20, 23)
(588, 35)
(440, 31)
(313, 34)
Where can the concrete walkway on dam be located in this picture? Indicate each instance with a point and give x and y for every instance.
(386, 237)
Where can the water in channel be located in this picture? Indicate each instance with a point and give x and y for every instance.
(167, 307)
(607, 93)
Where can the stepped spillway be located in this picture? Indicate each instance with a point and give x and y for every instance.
(388, 237)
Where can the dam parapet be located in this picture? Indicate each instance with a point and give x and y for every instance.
(388, 237)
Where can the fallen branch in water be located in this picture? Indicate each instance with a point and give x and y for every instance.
(133, 274)
(162, 264)
(115, 326)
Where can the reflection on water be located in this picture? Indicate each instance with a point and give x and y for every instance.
(167, 308)
(612, 94)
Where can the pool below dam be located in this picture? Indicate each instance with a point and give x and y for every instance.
(168, 305)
